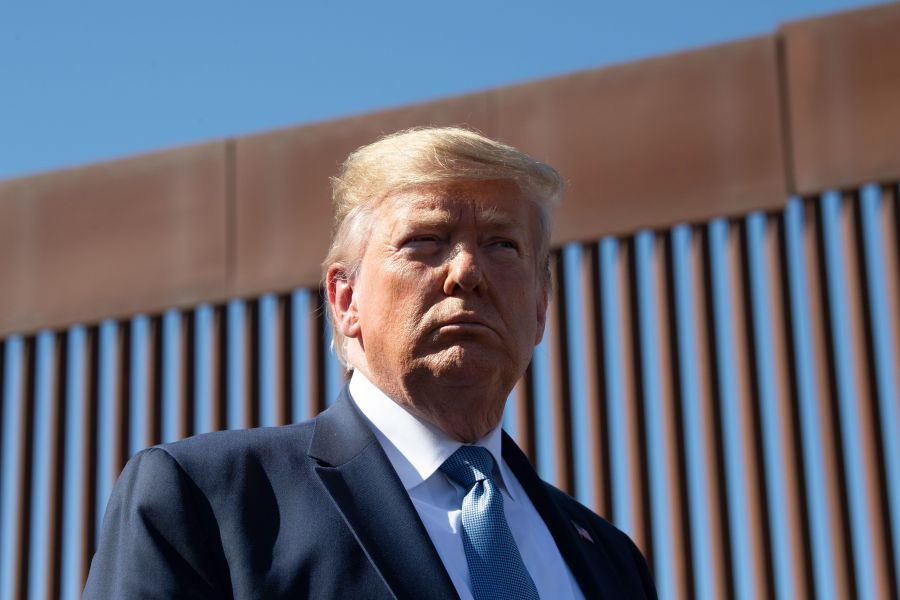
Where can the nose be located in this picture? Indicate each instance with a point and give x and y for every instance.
(464, 272)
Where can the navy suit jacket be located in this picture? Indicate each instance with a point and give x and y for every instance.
(310, 510)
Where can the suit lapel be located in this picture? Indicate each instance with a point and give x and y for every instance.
(596, 578)
(374, 504)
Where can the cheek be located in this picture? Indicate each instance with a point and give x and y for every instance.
(522, 304)
(396, 304)
(515, 284)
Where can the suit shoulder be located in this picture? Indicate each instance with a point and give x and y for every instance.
(241, 439)
(223, 451)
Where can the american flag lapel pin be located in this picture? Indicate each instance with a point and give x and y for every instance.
(583, 532)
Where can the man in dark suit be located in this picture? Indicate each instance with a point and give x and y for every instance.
(437, 284)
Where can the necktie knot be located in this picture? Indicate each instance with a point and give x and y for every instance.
(468, 465)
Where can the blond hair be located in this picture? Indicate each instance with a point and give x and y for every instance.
(420, 157)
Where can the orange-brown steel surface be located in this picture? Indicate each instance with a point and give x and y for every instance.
(140, 234)
(680, 138)
(844, 88)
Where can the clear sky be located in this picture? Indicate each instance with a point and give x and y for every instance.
(91, 80)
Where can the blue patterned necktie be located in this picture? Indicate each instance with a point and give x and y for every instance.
(495, 565)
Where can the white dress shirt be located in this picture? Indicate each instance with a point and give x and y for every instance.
(416, 450)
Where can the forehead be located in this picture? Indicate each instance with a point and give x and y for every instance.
(499, 203)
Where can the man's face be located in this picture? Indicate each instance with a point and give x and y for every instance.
(450, 287)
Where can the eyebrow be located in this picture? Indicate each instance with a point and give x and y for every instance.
(498, 220)
(422, 221)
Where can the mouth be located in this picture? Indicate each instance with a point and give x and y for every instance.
(464, 322)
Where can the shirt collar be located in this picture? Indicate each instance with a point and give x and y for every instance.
(415, 447)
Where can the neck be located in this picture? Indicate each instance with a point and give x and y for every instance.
(464, 413)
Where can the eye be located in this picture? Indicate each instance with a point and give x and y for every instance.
(422, 242)
(505, 244)
(425, 238)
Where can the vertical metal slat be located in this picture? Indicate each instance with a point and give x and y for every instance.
(74, 564)
(269, 363)
(560, 387)
(880, 216)
(596, 417)
(747, 584)
(696, 443)
(781, 534)
(12, 530)
(803, 316)
(656, 415)
(542, 398)
(300, 401)
(851, 391)
(172, 359)
(108, 415)
(579, 424)
(43, 519)
(235, 375)
(625, 461)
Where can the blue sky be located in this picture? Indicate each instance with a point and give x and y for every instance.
(93, 80)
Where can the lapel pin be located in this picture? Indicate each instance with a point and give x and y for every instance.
(583, 532)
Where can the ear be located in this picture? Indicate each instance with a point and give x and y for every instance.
(342, 300)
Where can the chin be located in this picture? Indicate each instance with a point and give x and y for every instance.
(464, 365)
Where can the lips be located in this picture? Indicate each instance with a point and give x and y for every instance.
(467, 320)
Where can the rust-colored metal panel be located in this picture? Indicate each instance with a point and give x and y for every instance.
(843, 94)
(662, 141)
(283, 196)
(140, 234)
